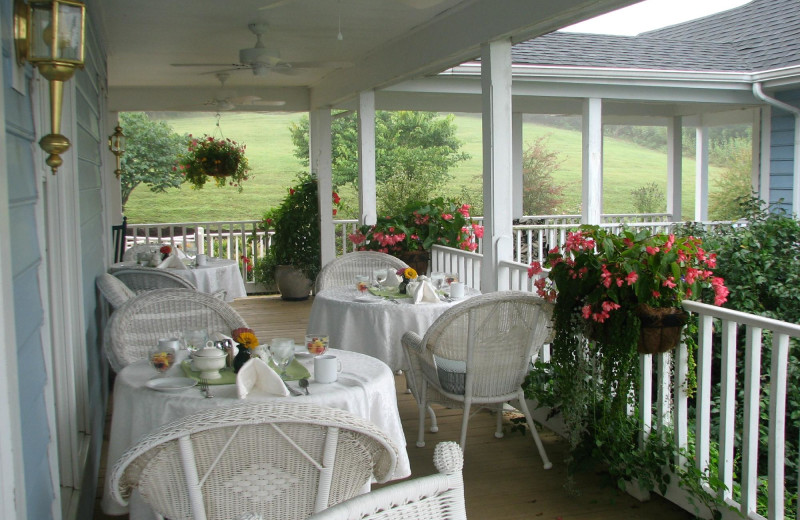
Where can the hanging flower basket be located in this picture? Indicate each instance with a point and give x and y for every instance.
(660, 328)
(218, 158)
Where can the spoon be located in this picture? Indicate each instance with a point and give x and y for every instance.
(304, 385)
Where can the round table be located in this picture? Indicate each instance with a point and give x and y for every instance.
(370, 324)
(218, 273)
(365, 388)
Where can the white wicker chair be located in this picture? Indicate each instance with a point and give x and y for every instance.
(113, 290)
(435, 497)
(141, 279)
(135, 328)
(478, 353)
(277, 460)
(342, 271)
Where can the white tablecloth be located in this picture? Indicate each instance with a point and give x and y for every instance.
(372, 327)
(365, 387)
(219, 273)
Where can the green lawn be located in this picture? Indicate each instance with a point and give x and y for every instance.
(269, 151)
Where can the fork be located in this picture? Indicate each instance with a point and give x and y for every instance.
(204, 387)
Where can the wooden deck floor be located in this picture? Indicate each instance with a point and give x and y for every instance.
(504, 478)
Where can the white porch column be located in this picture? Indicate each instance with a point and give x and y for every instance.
(367, 197)
(516, 157)
(765, 144)
(701, 175)
(592, 196)
(319, 121)
(497, 159)
(674, 168)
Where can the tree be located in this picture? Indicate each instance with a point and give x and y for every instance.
(151, 151)
(734, 184)
(540, 194)
(649, 198)
(414, 151)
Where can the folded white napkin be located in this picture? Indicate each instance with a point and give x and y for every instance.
(392, 280)
(256, 379)
(424, 292)
(171, 262)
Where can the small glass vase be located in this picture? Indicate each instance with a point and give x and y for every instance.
(402, 287)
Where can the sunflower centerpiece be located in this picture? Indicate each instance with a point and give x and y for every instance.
(406, 275)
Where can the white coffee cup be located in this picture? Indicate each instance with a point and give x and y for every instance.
(456, 290)
(201, 259)
(326, 368)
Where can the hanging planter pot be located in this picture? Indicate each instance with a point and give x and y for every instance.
(661, 328)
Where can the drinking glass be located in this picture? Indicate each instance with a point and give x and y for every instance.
(162, 358)
(195, 339)
(450, 278)
(380, 277)
(362, 282)
(282, 350)
(190, 250)
(437, 279)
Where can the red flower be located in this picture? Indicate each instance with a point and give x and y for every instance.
(165, 250)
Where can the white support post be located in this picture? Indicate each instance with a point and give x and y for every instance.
(592, 182)
(675, 168)
(367, 195)
(320, 163)
(755, 148)
(517, 184)
(701, 175)
(497, 159)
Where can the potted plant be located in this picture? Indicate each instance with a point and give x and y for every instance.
(294, 258)
(410, 235)
(218, 158)
(615, 290)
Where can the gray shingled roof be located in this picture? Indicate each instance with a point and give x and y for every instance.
(760, 35)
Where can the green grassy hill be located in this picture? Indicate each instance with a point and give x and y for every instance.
(270, 153)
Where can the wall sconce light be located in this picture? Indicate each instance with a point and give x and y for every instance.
(49, 35)
(116, 143)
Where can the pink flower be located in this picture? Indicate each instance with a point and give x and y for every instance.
(670, 282)
(586, 311)
(447, 216)
(464, 210)
(632, 277)
(534, 269)
(478, 230)
(651, 250)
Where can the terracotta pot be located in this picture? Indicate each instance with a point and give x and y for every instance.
(661, 328)
(418, 260)
(292, 283)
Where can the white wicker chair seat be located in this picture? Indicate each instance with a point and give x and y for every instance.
(342, 271)
(113, 290)
(141, 279)
(434, 497)
(277, 460)
(478, 353)
(135, 328)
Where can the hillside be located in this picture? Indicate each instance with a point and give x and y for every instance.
(269, 149)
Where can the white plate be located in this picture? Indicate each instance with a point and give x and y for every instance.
(170, 384)
(301, 351)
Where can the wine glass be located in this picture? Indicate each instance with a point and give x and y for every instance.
(190, 250)
(162, 358)
(449, 278)
(195, 339)
(437, 278)
(282, 350)
(380, 277)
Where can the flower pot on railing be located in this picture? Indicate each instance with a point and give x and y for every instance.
(661, 328)
(417, 259)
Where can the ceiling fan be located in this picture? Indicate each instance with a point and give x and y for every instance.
(264, 58)
(227, 99)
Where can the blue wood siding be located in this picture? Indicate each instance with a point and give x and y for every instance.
(26, 258)
(89, 85)
(781, 170)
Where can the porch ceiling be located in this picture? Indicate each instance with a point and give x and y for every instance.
(384, 42)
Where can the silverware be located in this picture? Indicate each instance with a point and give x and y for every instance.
(204, 388)
(291, 390)
(304, 385)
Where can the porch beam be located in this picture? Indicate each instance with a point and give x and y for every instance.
(592, 181)
(517, 150)
(497, 159)
(701, 175)
(321, 165)
(675, 168)
(367, 185)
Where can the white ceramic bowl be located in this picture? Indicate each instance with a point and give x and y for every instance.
(208, 361)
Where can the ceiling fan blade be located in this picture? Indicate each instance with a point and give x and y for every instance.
(204, 64)
(320, 64)
(274, 4)
(267, 103)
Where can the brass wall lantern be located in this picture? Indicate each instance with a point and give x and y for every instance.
(116, 143)
(49, 35)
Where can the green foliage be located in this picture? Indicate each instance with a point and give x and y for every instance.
(297, 234)
(414, 152)
(540, 194)
(649, 199)
(150, 154)
(734, 184)
(419, 226)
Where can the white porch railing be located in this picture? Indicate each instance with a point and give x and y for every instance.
(465, 263)
(224, 239)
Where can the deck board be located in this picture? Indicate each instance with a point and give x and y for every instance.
(503, 478)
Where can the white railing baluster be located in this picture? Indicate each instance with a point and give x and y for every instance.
(663, 409)
(727, 406)
(777, 425)
(703, 414)
(645, 397)
(752, 367)
(681, 420)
